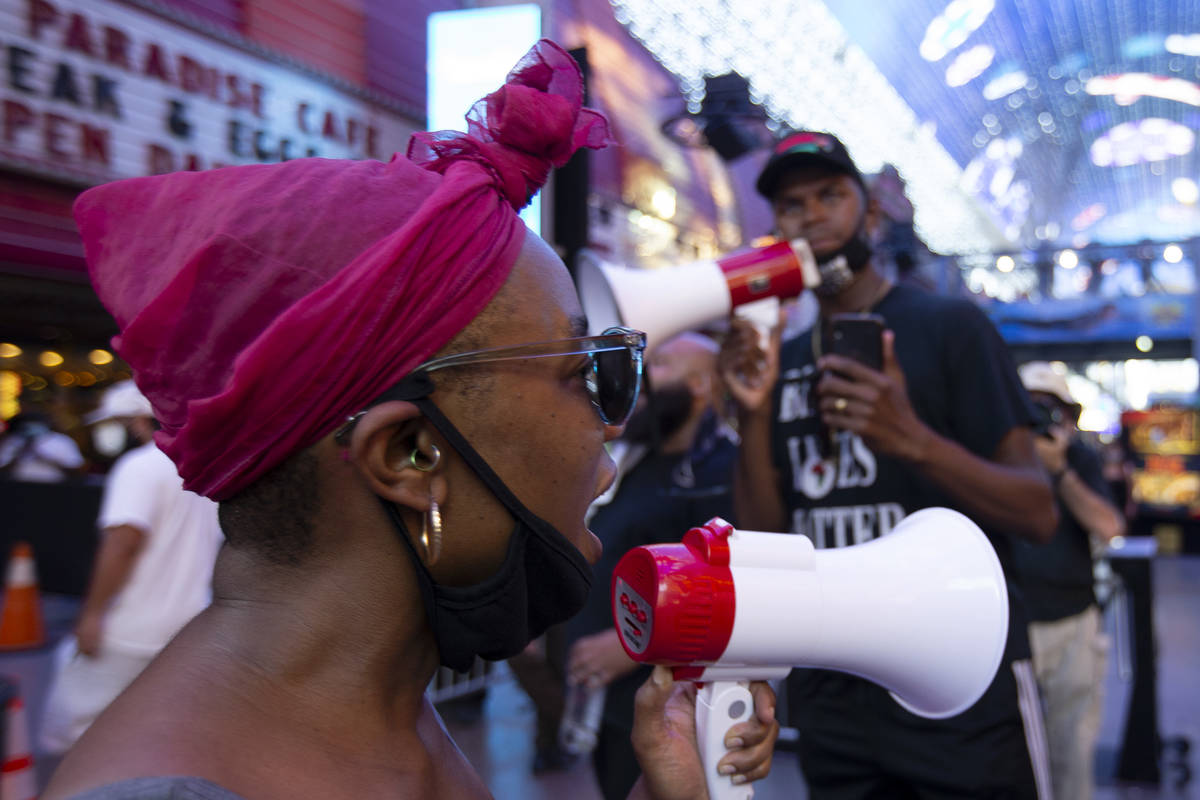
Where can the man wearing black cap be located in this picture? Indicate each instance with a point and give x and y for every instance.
(840, 452)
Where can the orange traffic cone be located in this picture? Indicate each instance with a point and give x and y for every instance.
(21, 620)
(18, 781)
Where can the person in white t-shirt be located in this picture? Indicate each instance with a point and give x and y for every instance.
(33, 451)
(152, 574)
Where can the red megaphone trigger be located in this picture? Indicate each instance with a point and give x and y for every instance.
(674, 604)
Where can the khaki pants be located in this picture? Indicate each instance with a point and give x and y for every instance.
(1069, 658)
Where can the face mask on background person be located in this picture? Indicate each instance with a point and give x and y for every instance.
(110, 439)
(839, 268)
(666, 407)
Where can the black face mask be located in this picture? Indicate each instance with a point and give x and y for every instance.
(666, 410)
(544, 579)
(839, 268)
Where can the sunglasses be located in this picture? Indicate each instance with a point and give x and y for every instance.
(611, 376)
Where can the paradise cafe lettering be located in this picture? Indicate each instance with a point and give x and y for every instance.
(84, 143)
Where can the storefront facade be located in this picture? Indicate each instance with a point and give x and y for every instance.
(99, 90)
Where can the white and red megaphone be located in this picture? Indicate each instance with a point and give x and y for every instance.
(922, 611)
(664, 302)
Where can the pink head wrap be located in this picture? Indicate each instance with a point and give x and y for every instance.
(261, 305)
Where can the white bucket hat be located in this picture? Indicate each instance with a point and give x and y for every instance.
(1040, 376)
(120, 400)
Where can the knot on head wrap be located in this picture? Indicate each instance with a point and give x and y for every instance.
(534, 122)
(261, 305)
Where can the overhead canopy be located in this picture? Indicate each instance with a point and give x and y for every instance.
(1071, 118)
(1068, 121)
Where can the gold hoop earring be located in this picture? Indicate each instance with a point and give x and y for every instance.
(435, 459)
(431, 532)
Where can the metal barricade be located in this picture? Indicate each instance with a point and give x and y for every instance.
(448, 684)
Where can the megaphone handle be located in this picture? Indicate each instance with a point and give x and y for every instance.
(763, 315)
(719, 706)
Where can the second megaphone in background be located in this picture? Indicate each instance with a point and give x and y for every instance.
(663, 302)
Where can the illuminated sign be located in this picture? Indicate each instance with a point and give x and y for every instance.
(469, 53)
(95, 90)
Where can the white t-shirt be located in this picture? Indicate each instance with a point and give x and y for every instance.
(172, 579)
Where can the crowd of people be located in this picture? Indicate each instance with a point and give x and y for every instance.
(397, 427)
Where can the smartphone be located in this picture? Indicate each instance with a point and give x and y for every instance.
(1046, 417)
(858, 336)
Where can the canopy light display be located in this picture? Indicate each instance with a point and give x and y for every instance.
(1130, 87)
(970, 65)
(1005, 85)
(1089, 216)
(1184, 44)
(1148, 140)
(952, 27)
(937, 87)
(1185, 191)
(827, 84)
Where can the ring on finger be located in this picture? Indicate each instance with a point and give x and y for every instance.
(840, 404)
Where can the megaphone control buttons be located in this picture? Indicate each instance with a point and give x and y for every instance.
(638, 613)
(632, 617)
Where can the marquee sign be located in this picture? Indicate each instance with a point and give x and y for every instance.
(94, 90)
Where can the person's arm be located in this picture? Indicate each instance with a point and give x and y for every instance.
(1008, 490)
(1095, 514)
(598, 660)
(757, 502)
(1077, 486)
(120, 547)
(750, 373)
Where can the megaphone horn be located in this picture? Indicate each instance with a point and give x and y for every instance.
(922, 611)
(664, 302)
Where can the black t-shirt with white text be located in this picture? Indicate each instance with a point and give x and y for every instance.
(961, 382)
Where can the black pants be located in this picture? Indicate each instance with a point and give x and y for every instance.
(616, 766)
(857, 742)
(542, 674)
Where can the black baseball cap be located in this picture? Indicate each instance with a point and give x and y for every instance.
(802, 148)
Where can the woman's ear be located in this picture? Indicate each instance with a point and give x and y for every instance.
(392, 447)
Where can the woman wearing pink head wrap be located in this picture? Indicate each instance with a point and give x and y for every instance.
(383, 378)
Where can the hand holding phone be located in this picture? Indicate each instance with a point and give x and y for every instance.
(858, 336)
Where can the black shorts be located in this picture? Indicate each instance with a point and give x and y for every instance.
(857, 742)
